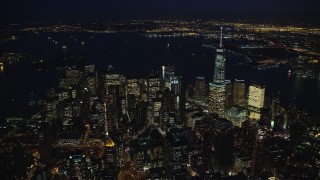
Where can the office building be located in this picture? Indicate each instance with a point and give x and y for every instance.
(217, 98)
(219, 87)
(256, 100)
(200, 91)
(239, 93)
(166, 73)
(219, 68)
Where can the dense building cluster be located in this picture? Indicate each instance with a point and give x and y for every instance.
(109, 126)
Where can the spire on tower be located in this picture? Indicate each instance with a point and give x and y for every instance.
(221, 36)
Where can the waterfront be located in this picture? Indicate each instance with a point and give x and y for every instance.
(132, 54)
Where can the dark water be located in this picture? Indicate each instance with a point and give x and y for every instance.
(133, 54)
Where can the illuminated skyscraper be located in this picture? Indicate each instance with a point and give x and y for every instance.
(114, 80)
(218, 87)
(153, 88)
(133, 96)
(166, 73)
(256, 100)
(239, 92)
(115, 98)
(217, 98)
(256, 96)
(175, 85)
(219, 68)
(133, 87)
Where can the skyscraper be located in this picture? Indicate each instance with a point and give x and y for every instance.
(218, 87)
(275, 109)
(166, 73)
(175, 85)
(133, 87)
(239, 92)
(219, 68)
(200, 92)
(256, 100)
(228, 94)
(279, 116)
(115, 98)
(153, 86)
(153, 91)
(217, 98)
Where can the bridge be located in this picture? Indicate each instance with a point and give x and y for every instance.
(174, 35)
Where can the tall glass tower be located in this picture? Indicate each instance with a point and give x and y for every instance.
(218, 87)
(219, 69)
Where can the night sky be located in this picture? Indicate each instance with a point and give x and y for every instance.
(19, 11)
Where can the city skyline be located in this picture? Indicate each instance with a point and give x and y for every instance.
(175, 89)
